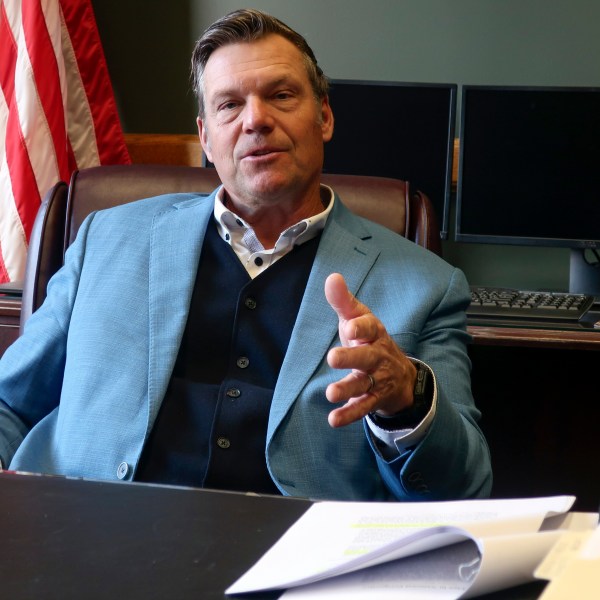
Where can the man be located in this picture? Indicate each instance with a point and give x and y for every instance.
(196, 340)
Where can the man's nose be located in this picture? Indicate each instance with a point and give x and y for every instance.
(257, 115)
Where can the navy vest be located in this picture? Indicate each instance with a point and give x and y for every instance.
(211, 428)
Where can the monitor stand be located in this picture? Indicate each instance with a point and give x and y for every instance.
(584, 274)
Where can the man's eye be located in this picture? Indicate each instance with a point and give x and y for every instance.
(228, 105)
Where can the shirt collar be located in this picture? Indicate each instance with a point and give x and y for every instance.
(244, 242)
(234, 230)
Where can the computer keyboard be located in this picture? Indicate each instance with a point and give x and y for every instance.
(509, 304)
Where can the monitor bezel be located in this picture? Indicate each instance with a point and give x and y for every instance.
(548, 241)
(444, 217)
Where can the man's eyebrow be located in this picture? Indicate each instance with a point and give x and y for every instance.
(283, 80)
(232, 90)
(222, 94)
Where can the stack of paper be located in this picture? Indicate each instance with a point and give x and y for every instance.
(409, 550)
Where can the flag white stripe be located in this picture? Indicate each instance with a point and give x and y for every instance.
(80, 125)
(35, 128)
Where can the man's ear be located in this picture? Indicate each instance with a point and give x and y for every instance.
(326, 119)
(203, 135)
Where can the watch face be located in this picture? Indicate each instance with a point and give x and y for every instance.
(420, 382)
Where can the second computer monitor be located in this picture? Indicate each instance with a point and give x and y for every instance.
(396, 129)
(529, 172)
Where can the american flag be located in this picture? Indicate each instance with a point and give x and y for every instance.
(57, 111)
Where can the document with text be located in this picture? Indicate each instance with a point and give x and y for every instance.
(409, 550)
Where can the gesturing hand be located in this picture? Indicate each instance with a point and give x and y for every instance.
(382, 377)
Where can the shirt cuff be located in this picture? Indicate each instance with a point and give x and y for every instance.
(402, 440)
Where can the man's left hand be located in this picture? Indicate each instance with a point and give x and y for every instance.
(382, 377)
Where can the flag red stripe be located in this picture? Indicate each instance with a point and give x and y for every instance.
(3, 272)
(47, 80)
(8, 57)
(25, 191)
(81, 24)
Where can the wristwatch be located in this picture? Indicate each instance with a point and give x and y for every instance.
(412, 416)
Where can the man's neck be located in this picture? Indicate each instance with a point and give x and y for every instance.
(270, 221)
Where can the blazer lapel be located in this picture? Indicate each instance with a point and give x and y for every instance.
(177, 237)
(344, 248)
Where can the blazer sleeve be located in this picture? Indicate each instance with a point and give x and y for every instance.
(453, 459)
(32, 368)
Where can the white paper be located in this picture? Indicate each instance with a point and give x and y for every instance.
(457, 571)
(334, 538)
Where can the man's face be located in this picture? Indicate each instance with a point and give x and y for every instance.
(263, 128)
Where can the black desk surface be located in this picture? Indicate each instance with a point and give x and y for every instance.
(66, 538)
(62, 538)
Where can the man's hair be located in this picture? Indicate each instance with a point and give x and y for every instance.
(248, 25)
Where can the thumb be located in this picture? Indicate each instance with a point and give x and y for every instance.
(341, 300)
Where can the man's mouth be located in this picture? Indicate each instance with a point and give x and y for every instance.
(258, 152)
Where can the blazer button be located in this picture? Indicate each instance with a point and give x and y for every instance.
(122, 470)
(243, 362)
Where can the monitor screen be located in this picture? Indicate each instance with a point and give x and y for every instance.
(395, 129)
(529, 168)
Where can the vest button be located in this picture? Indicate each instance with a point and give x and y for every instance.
(223, 443)
(243, 362)
(122, 470)
(250, 303)
(233, 392)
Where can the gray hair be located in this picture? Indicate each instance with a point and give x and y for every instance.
(247, 25)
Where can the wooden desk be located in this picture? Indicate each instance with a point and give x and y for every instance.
(10, 310)
(540, 416)
(492, 335)
(567, 336)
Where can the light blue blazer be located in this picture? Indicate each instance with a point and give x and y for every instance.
(81, 389)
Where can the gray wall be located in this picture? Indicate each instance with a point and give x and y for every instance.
(535, 42)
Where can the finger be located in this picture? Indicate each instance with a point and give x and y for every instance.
(354, 410)
(353, 385)
(360, 357)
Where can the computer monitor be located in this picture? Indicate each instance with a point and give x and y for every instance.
(396, 129)
(529, 172)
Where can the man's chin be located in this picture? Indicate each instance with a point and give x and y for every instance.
(267, 184)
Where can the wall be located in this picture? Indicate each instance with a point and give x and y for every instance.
(535, 42)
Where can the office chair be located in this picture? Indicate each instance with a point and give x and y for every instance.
(383, 200)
